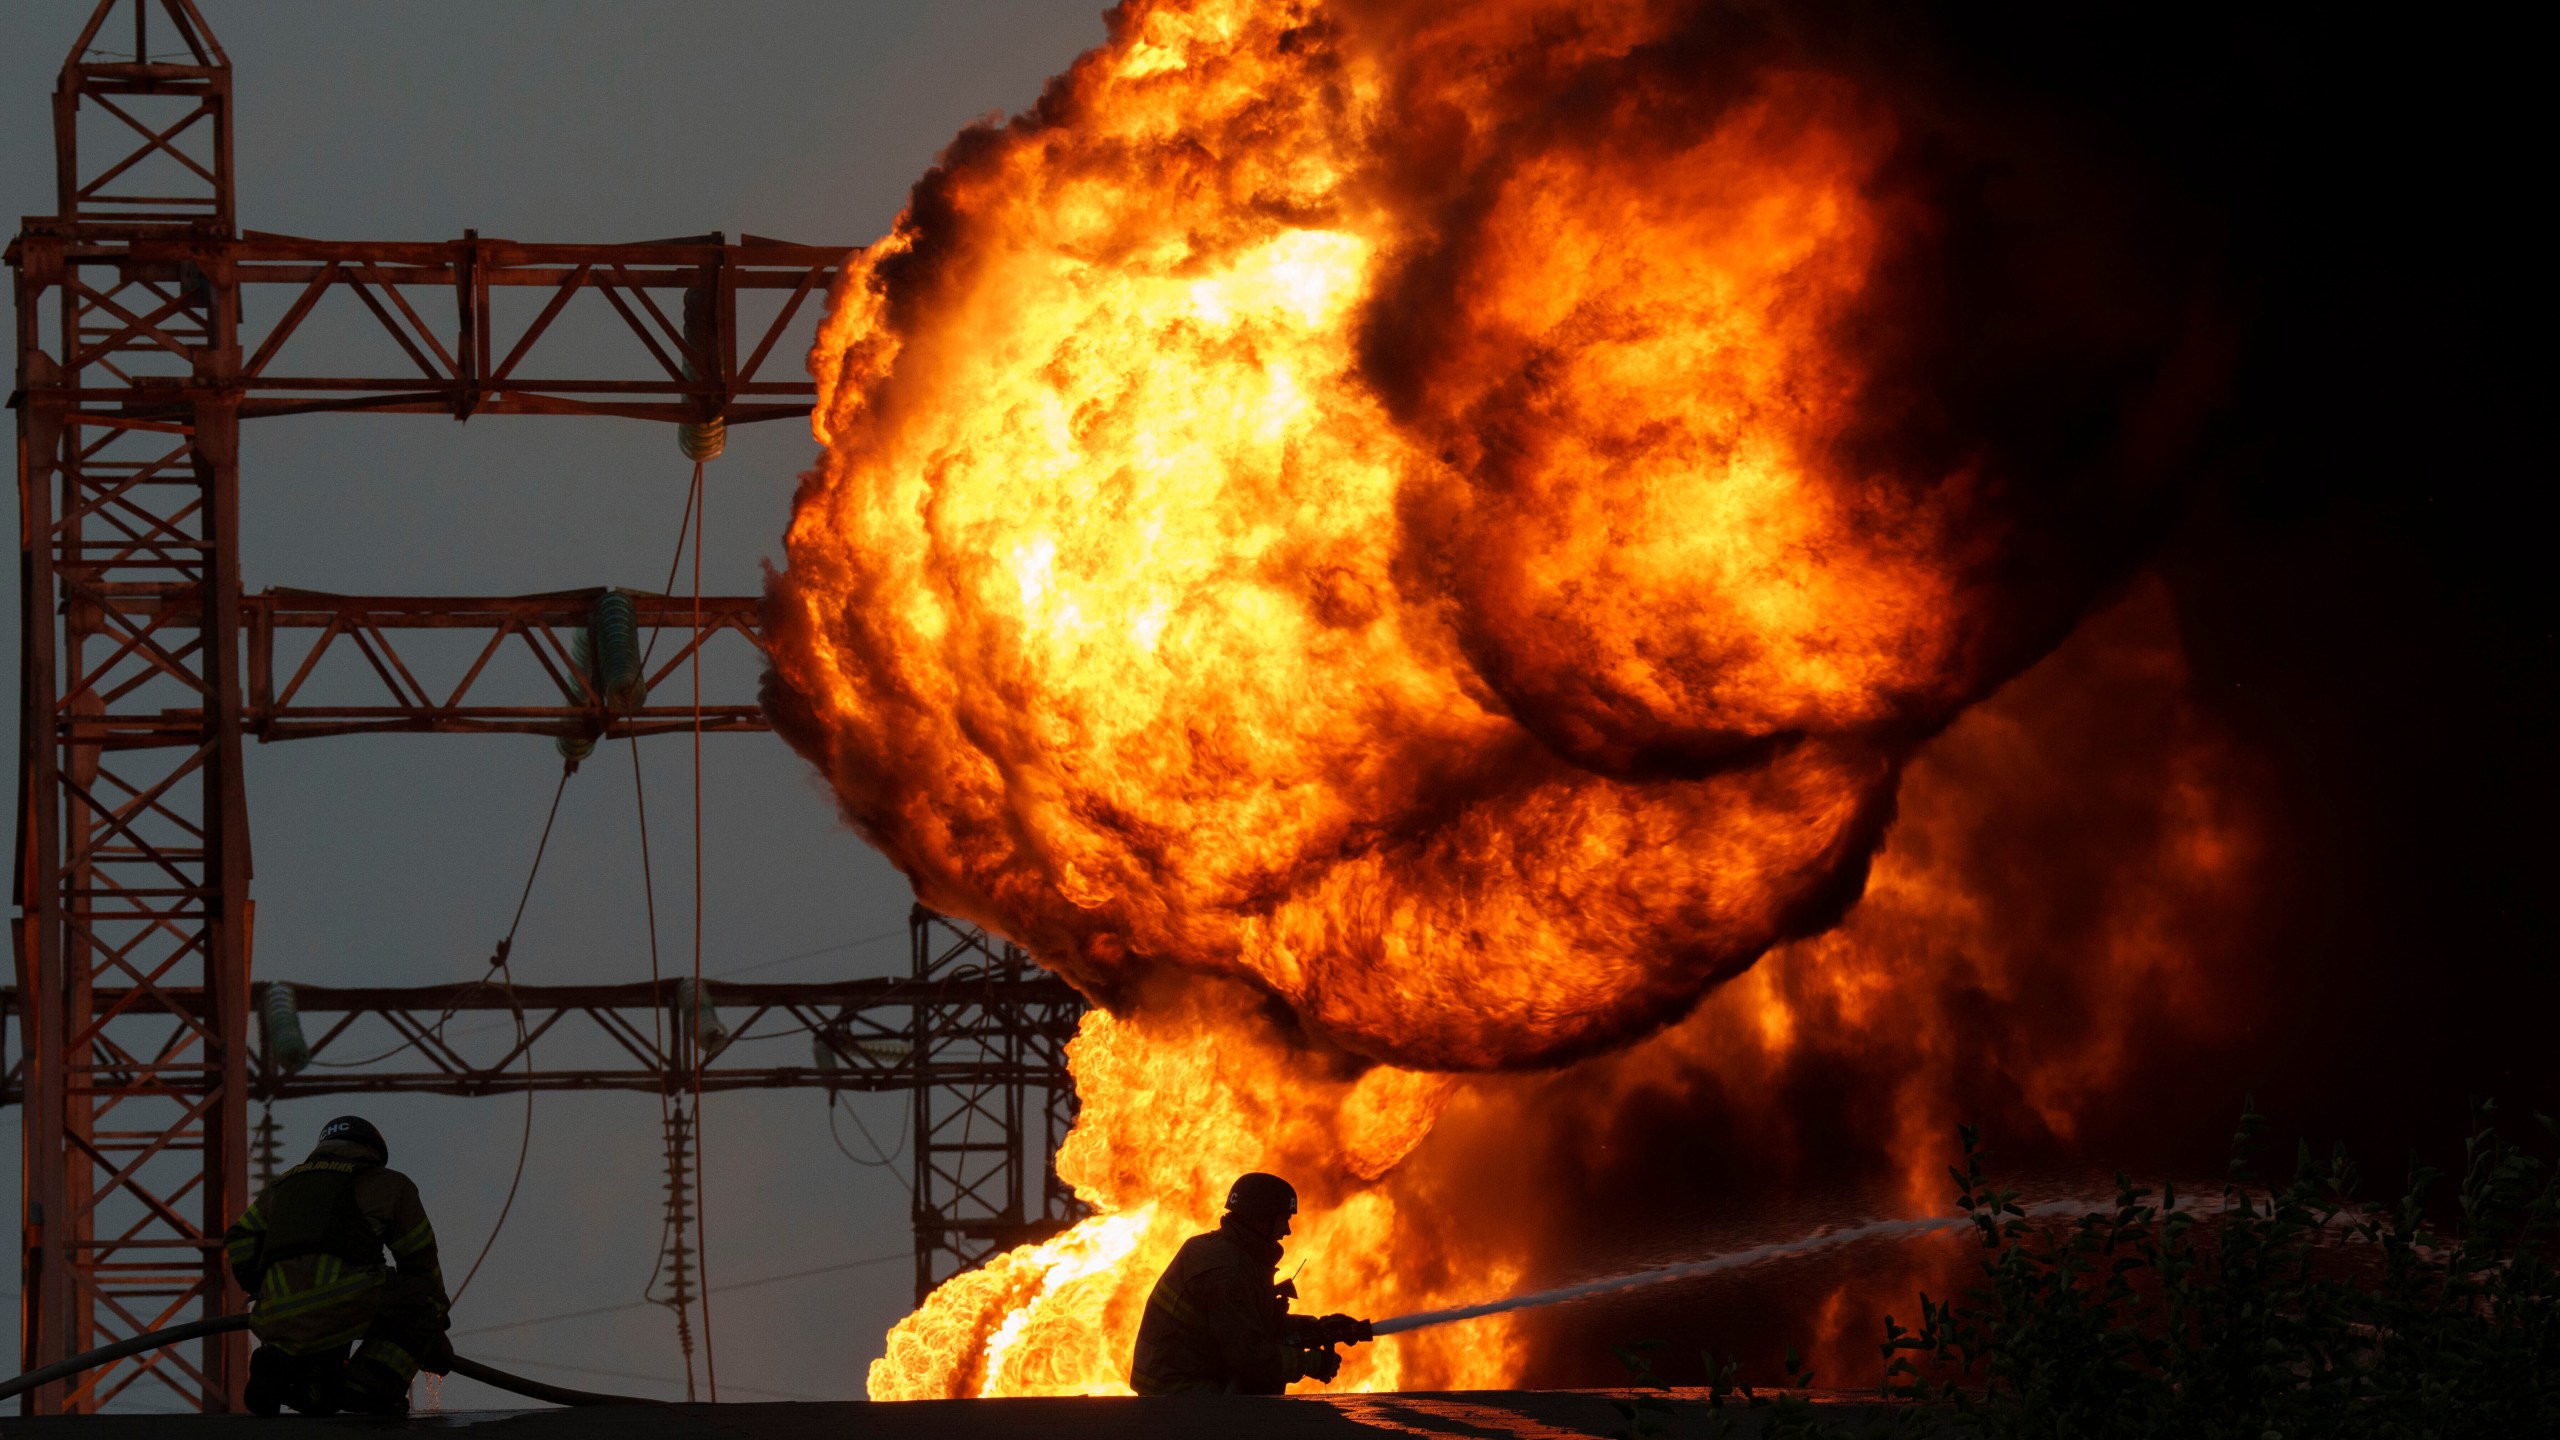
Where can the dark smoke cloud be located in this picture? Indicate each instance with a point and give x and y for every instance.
(2037, 354)
(2367, 637)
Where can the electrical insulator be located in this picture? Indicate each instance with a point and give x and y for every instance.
(703, 440)
(607, 652)
(709, 1035)
(281, 1020)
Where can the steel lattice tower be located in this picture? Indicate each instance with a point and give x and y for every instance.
(146, 668)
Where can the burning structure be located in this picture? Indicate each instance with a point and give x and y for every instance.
(1455, 567)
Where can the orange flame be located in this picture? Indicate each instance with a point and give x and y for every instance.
(1983, 963)
(2060, 918)
(1449, 517)
(1179, 1100)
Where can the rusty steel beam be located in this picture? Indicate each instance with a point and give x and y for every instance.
(133, 865)
(868, 1029)
(552, 695)
(975, 1034)
(675, 302)
(144, 666)
(359, 630)
(992, 1098)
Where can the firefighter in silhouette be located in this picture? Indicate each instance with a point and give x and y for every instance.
(310, 1252)
(1218, 1322)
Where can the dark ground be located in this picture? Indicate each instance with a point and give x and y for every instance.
(1481, 1415)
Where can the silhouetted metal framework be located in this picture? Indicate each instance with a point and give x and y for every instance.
(990, 1055)
(133, 852)
(880, 1034)
(368, 645)
(144, 666)
(977, 1034)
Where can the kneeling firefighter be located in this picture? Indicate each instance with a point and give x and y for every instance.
(310, 1252)
(1218, 1322)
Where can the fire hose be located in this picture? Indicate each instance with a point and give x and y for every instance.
(153, 1340)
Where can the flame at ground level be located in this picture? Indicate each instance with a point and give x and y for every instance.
(1179, 1099)
(2048, 921)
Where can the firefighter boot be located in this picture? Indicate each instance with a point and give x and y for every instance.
(264, 1393)
(377, 1384)
(308, 1384)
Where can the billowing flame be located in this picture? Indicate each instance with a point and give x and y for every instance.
(1451, 518)
(2071, 860)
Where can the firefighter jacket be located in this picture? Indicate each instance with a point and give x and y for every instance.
(1216, 1322)
(311, 1252)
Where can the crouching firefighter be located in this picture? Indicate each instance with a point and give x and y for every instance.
(310, 1253)
(1218, 1322)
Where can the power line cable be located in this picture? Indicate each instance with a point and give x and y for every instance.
(497, 960)
(524, 1144)
(735, 1285)
(885, 935)
(634, 1375)
(675, 563)
(678, 1301)
(701, 1224)
(888, 1154)
(524, 1044)
(673, 1135)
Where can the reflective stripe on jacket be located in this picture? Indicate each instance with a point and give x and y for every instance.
(311, 1251)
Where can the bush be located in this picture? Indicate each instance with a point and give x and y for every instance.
(2291, 1313)
(2286, 1314)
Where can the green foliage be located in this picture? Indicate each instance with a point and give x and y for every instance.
(2282, 1314)
(1645, 1415)
(2290, 1312)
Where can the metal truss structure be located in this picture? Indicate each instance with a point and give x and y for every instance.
(990, 1030)
(145, 667)
(873, 1034)
(976, 1033)
(354, 634)
(484, 361)
(133, 835)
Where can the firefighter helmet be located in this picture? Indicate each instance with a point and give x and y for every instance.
(1260, 1197)
(357, 1130)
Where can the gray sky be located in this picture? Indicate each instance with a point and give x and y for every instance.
(396, 860)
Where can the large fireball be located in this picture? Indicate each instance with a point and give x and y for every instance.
(1456, 515)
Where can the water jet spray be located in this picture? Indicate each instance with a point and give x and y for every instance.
(1823, 1239)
